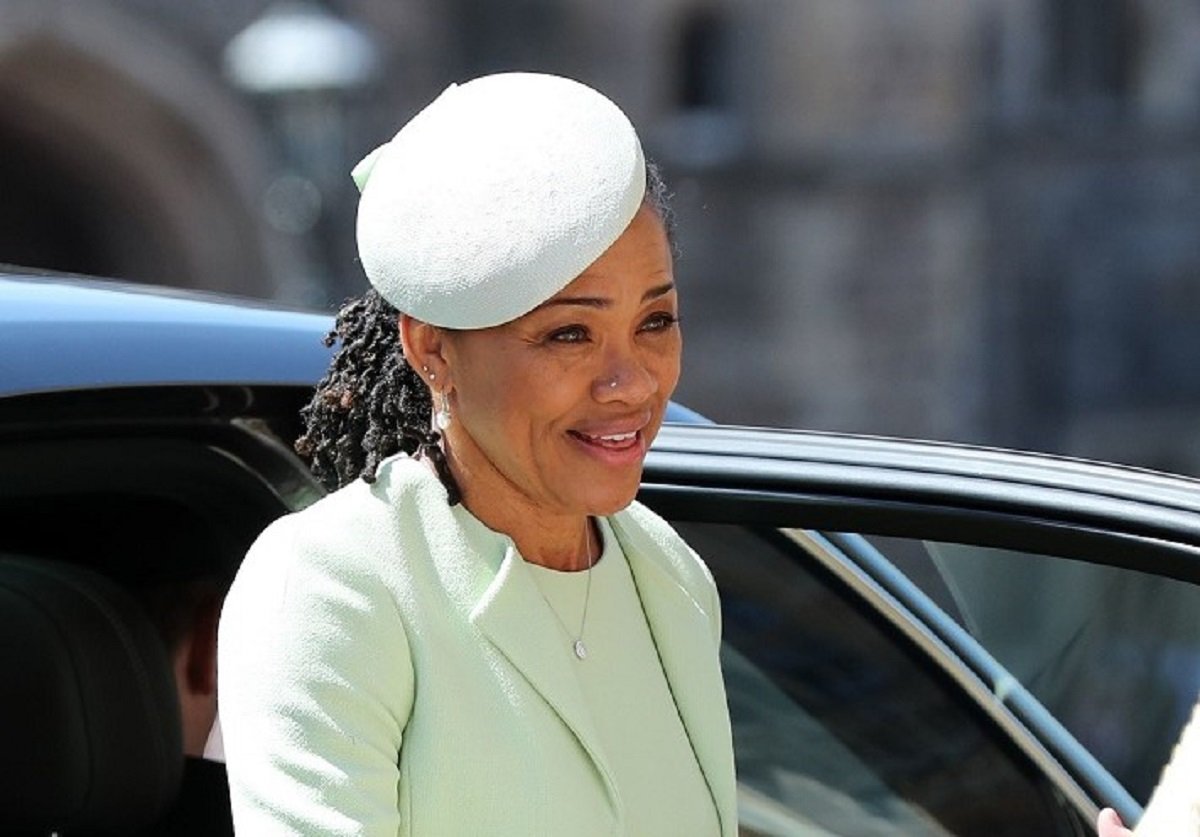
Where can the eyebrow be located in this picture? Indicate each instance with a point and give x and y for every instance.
(604, 302)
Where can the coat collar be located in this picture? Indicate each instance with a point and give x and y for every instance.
(513, 616)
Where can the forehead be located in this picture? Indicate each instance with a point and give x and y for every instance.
(610, 289)
(639, 259)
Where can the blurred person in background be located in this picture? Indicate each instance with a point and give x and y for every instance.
(185, 612)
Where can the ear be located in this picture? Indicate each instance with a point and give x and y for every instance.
(201, 648)
(424, 348)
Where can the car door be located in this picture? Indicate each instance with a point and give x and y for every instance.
(926, 639)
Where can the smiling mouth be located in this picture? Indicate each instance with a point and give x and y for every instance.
(614, 441)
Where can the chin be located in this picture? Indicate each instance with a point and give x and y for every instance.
(612, 501)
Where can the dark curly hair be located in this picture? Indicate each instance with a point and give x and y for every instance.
(371, 404)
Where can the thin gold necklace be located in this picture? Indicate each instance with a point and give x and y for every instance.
(577, 643)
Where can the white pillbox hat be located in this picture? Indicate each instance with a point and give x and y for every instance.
(495, 196)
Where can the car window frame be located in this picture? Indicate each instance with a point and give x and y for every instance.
(1106, 514)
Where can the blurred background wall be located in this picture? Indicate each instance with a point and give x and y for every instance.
(974, 220)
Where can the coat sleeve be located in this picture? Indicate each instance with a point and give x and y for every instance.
(715, 612)
(315, 689)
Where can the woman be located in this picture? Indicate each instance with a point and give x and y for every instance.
(481, 632)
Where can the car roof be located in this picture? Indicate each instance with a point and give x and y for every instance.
(63, 332)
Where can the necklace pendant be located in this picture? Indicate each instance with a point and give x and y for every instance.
(580, 649)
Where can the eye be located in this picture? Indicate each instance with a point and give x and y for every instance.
(660, 321)
(568, 334)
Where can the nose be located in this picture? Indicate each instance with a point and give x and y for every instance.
(625, 378)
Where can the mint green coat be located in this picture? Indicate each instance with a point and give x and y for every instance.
(378, 676)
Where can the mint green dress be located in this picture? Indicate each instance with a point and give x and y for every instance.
(628, 697)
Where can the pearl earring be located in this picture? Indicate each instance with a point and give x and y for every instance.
(441, 418)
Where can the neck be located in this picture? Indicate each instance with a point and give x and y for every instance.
(567, 543)
(562, 541)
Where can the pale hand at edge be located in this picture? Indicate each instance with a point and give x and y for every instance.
(1108, 824)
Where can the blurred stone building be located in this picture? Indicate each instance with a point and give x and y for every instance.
(975, 221)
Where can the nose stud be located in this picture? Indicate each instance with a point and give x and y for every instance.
(612, 384)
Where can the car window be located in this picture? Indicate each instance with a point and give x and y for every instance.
(1113, 653)
(840, 725)
(131, 507)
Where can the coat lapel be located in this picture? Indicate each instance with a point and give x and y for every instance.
(514, 617)
(683, 635)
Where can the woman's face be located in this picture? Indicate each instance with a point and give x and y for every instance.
(557, 408)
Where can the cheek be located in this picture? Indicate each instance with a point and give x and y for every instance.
(668, 367)
(488, 374)
(554, 398)
(515, 399)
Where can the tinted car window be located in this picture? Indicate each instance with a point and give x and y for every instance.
(1114, 654)
(841, 725)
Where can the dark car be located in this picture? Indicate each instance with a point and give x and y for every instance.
(920, 639)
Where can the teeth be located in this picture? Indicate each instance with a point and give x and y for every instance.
(620, 437)
(613, 439)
